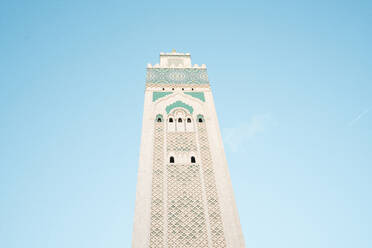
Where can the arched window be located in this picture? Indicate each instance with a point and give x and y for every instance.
(170, 119)
(193, 159)
(171, 160)
(188, 120)
(179, 119)
(200, 119)
(159, 118)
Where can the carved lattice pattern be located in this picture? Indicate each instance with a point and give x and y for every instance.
(181, 141)
(215, 221)
(156, 232)
(186, 220)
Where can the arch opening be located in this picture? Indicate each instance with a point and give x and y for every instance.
(193, 161)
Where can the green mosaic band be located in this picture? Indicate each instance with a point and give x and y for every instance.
(177, 76)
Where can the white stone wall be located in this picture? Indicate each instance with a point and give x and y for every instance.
(141, 228)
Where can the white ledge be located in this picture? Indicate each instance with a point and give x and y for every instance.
(196, 66)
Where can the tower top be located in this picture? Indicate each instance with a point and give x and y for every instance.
(175, 60)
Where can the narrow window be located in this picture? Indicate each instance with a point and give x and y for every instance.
(188, 120)
(172, 88)
(170, 119)
(200, 120)
(171, 160)
(159, 119)
(163, 89)
(179, 120)
(192, 88)
(193, 159)
(183, 89)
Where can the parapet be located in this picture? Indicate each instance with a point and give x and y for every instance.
(176, 60)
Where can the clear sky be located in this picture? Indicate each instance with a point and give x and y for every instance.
(292, 82)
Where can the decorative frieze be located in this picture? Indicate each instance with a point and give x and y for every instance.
(177, 76)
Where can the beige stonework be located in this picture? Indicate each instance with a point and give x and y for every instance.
(184, 193)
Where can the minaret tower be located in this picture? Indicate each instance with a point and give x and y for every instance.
(184, 194)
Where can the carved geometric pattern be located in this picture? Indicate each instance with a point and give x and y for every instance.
(186, 219)
(215, 221)
(181, 141)
(157, 226)
(177, 76)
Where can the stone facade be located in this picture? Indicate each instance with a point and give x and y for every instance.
(184, 193)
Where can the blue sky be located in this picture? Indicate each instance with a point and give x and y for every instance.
(292, 82)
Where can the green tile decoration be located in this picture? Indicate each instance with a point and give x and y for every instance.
(179, 104)
(156, 95)
(177, 76)
(199, 95)
(159, 116)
